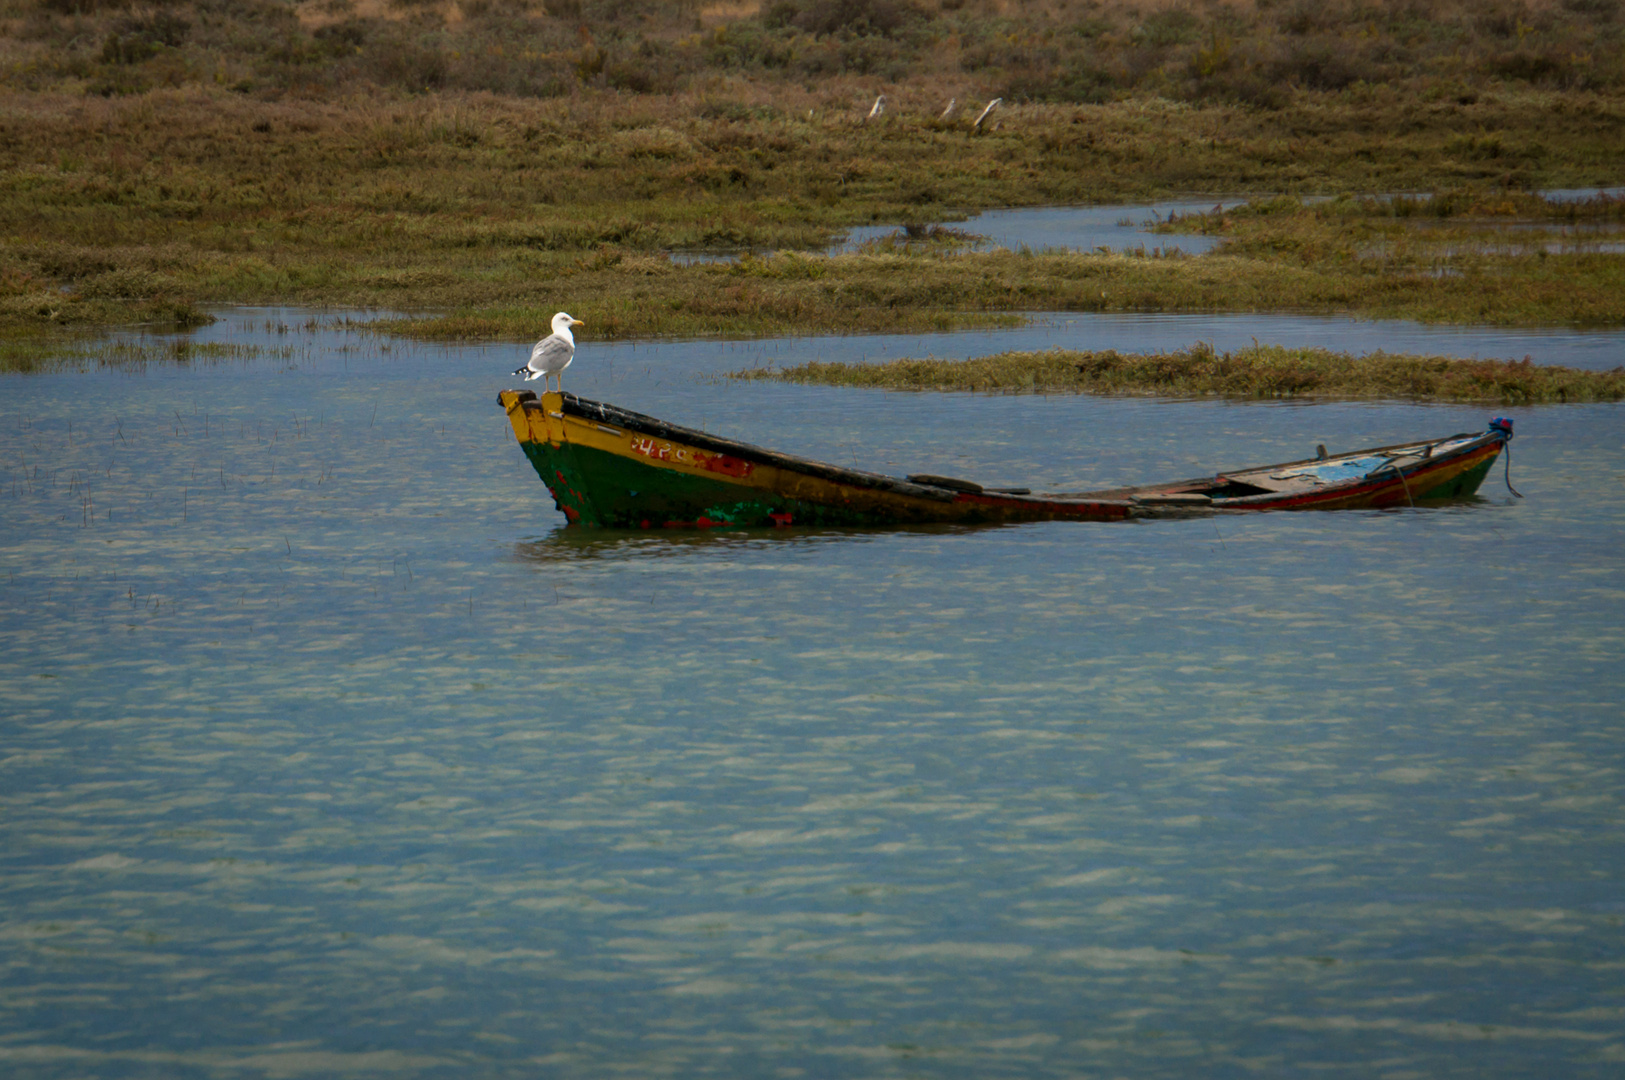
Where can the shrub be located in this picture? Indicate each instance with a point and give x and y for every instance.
(81, 7)
(1528, 65)
(1322, 64)
(1171, 26)
(850, 17)
(342, 39)
(137, 39)
(404, 62)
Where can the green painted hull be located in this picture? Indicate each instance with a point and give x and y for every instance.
(1462, 485)
(595, 488)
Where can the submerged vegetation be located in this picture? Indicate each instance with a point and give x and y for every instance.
(1259, 372)
(33, 354)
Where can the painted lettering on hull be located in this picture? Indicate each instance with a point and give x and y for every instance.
(660, 450)
(652, 449)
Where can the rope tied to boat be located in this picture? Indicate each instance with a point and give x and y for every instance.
(1399, 473)
(1503, 424)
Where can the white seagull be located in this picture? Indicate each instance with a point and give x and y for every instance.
(553, 353)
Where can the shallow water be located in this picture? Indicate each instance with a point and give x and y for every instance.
(1119, 228)
(1114, 227)
(1582, 194)
(1591, 350)
(1126, 227)
(328, 752)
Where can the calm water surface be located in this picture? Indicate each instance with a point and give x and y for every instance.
(1120, 227)
(1592, 350)
(1115, 227)
(327, 751)
(1126, 227)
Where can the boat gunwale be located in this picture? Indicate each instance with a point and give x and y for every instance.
(1371, 483)
(1476, 442)
(643, 424)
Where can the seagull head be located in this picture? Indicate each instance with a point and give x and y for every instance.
(562, 323)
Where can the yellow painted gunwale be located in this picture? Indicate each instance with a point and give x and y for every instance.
(546, 422)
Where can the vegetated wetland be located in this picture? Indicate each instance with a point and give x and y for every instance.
(85, 352)
(1265, 371)
(319, 727)
(154, 162)
(327, 750)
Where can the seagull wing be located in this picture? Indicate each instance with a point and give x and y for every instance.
(551, 355)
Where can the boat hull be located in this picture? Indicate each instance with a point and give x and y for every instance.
(607, 467)
(612, 468)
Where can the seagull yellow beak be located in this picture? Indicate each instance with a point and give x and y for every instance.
(577, 322)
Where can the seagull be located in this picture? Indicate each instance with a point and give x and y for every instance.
(553, 353)
(879, 109)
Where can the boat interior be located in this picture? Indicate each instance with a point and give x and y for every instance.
(1310, 474)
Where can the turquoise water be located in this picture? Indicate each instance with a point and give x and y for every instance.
(327, 751)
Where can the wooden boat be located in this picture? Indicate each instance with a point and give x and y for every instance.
(611, 467)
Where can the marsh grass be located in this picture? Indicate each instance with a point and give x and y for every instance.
(31, 306)
(1417, 227)
(908, 290)
(196, 195)
(1265, 371)
(33, 354)
(501, 160)
(923, 239)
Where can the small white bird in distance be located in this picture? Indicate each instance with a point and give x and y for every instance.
(879, 109)
(553, 353)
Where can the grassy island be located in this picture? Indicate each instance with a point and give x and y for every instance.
(1260, 372)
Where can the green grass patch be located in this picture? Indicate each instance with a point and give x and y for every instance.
(130, 198)
(622, 295)
(1266, 371)
(29, 309)
(445, 202)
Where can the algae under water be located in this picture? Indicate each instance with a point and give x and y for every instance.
(327, 751)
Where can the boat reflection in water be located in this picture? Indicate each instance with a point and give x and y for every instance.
(610, 467)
